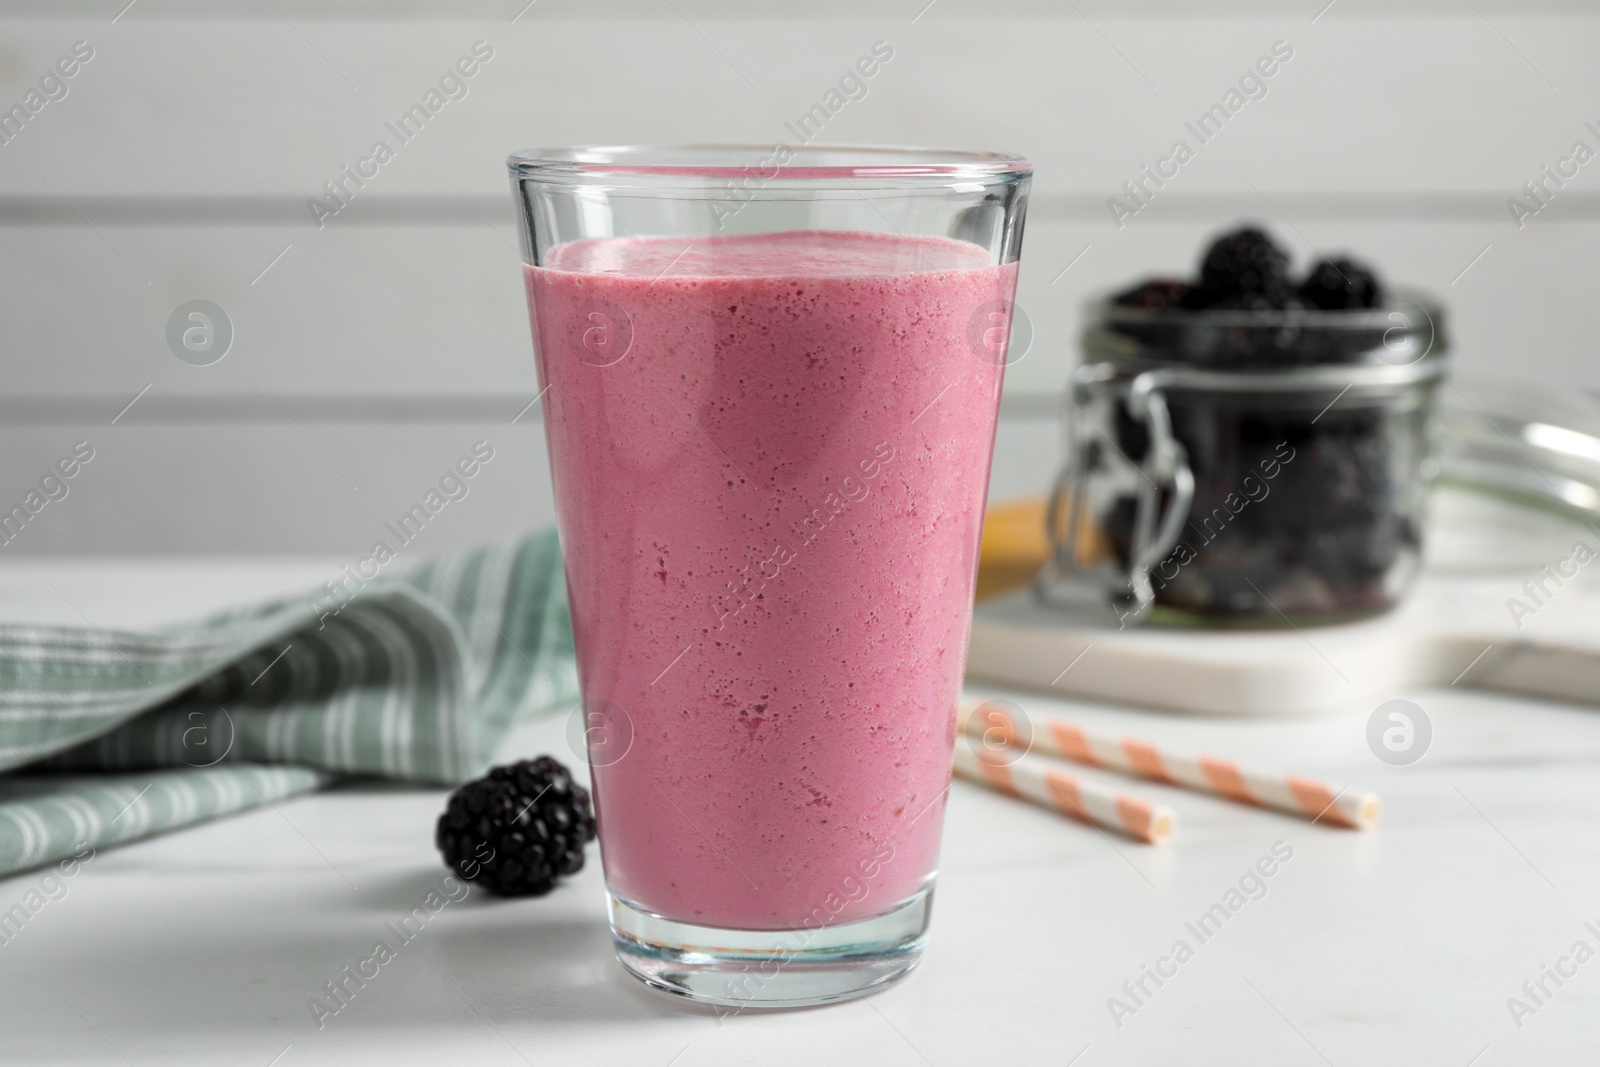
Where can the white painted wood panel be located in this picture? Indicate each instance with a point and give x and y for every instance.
(227, 489)
(437, 311)
(765, 10)
(273, 108)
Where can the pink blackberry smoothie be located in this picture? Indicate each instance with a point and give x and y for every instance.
(770, 455)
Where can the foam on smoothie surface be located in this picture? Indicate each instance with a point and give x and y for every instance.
(800, 254)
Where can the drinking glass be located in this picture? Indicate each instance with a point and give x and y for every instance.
(769, 377)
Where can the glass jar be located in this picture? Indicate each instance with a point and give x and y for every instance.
(1252, 467)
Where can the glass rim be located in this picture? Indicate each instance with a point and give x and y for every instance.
(644, 162)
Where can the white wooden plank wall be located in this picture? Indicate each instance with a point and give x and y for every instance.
(179, 163)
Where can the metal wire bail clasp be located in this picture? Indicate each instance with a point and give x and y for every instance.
(1084, 569)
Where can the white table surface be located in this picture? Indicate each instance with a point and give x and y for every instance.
(1396, 947)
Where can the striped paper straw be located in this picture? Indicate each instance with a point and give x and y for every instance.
(1344, 806)
(1030, 778)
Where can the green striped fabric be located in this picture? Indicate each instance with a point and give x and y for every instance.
(111, 736)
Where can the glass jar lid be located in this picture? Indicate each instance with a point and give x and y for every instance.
(1407, 331)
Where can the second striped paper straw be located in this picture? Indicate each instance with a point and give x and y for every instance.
(1344, 806)
(1031, 778)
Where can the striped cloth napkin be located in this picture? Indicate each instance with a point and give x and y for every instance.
(107, 737)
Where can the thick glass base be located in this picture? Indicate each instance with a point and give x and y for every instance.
(770, 968)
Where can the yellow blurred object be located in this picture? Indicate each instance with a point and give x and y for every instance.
(1015, 546)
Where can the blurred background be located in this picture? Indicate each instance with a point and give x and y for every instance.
(370, 347)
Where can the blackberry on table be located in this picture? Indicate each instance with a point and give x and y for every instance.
(1341, 285)
(517, 830)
